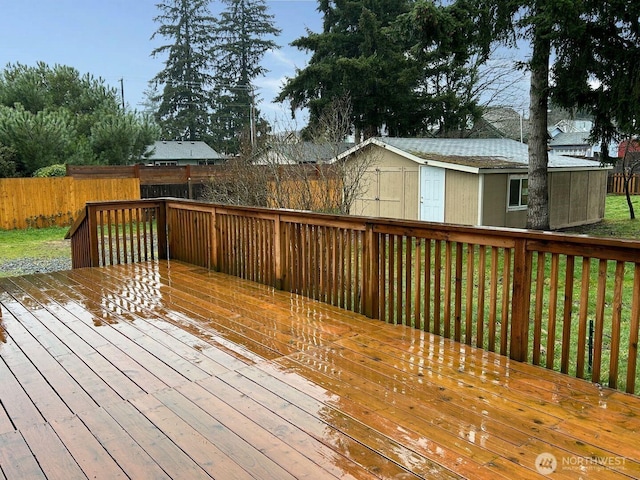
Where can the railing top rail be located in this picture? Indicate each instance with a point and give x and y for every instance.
(624, 249)
(107, 205)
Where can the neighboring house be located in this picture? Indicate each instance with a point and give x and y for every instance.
(299, 152)
(501, 122)
(571, 138)
(472, 182)
(177, 153)
(633, 148)
(573, 144)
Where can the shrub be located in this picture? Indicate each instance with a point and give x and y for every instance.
(57, 170)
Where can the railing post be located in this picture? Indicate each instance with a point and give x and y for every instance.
(214, 254)
(278, 250)
(92, 224)
(520, 301)
(161, 226)
(370, 284)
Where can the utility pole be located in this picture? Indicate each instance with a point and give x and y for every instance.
(122, 91)
(252, 118)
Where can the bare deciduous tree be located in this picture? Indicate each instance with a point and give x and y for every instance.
(293, 173)
(629, 164)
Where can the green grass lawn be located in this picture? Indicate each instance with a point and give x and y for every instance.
(32, 244)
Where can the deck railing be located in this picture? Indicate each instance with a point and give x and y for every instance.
(569, 303)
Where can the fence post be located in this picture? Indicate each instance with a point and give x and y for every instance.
(520, 301)
(370, 285)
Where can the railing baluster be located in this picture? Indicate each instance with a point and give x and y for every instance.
(634, 325)
(616, 318)
(553, 310)
(469, 305)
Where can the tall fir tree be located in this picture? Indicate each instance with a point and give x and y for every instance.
(356, 54)
(184, 102)
(596, 68)
(443, 40)
(244, 33)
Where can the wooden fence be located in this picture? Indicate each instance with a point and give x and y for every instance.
(148, 175)
(615, 184)
(43, 202)
(296, 186)
(568, 303)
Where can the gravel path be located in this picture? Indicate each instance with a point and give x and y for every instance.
(25, 266)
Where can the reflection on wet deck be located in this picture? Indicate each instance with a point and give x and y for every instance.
(165, 370)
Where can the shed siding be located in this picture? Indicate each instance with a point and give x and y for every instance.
(461, 198)
(576, 198)
(390, 188)
(597, 195)
(494, 207)
(559, 199)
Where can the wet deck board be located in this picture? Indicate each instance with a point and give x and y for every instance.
(165, 370)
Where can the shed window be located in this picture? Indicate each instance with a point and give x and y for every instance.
(518, 193)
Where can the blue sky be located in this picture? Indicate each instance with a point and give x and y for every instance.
(111, 39)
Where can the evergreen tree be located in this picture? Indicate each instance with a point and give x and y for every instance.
(54, 115)
(443, 41)
(184, 109)
(244, 32)
(357, 55)
(596, 68)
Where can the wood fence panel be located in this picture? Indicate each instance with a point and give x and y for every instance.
(615, 184)
(43, 202)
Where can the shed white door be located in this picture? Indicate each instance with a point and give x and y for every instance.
(432, 194)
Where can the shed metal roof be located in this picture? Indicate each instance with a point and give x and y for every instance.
(484, 153)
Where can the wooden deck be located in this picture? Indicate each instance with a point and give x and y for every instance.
(166, 370)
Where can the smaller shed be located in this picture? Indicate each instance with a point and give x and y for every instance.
(472, 182)
(300, 152)
(178, 153)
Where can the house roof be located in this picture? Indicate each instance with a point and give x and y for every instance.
(177, 150)
(471, 155)
(305, 152)
(570, 138)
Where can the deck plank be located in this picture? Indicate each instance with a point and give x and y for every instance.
(166, 370)
(270, 434)
(15, 401)
(169, 456)
(92, 457)
(204, 453)
(355, 440)
(54, 459)
(16, 459)
(449, 450)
